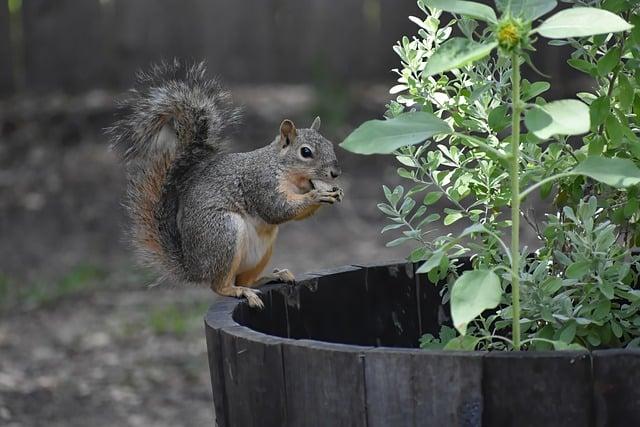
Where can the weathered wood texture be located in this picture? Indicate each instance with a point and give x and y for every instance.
(256, 397)
(267, 378)
(404, 388)
(324, 384)
(6, 77)
(214, 322)
(73, 46)
(537, 389)
(616, 381)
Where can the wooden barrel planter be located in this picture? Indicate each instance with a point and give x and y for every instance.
(339, 349)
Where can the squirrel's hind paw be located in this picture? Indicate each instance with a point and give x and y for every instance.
(284, 275)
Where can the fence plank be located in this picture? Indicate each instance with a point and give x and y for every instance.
(6, 74)
(64, 44)
(73, 46)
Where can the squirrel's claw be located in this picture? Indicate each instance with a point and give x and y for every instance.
(253, 298)
(330, 197)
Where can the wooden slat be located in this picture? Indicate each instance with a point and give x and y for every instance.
(72, 46)
(253, 378)
(537, 389)
(324, 384)
(414, 387)
(616, 379)
(6, 72)
(323, 313)
(391, 305)
(390, 388)
(217, 317)
(214, 353)
(64, 44)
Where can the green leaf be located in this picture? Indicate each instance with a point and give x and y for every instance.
(565, 117)
(615, 172)
(432, 198)
(625, 92)
(608, 62)
(474, 292)
(466, 8)
(452, 217)
(551, 285)
(582, 65)
(433, 262)
(568, 333)
(462, 343)
(498, 118)
(581, 22)
(534, 89)
(429, 342)
(526, 9)
(398, 241)
(598, 111)
(456, 53)
(429, 219)
(607, 290)
(616, 328)
(578, 270)
(603, 308)
(562, 346)
(596, 146)
(385, 136)
(614, 129)
(391, 227)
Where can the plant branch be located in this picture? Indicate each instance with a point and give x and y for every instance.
(531, 224)
(515, 198)
(614, 77)
(441, 189)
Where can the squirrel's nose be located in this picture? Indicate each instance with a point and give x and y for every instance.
(335, 172)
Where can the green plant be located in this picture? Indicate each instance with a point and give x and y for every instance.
(168, 320)
(81, 278)
(176, 319)
(462, 139)
(612, 62)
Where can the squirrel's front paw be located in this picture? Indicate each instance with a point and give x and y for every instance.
(330, 197)
(253, 298)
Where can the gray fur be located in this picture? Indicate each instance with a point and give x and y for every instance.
(203, 186)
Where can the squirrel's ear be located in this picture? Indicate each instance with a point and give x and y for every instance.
(316, 123)
(287, 133)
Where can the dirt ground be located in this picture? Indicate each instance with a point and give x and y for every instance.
(83, 340)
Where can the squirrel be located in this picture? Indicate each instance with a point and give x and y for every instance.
(199, 213)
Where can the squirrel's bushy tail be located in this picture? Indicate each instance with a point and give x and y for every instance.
(173, 117)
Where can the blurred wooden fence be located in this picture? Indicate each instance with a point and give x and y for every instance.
(70, 45)
(75, 45)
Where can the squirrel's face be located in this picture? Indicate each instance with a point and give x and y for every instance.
(307, 155)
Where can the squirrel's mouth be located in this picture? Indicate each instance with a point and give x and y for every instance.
(319, 184)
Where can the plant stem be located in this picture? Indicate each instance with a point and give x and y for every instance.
(515, 198)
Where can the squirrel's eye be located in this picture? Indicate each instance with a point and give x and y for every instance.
(306, 152)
